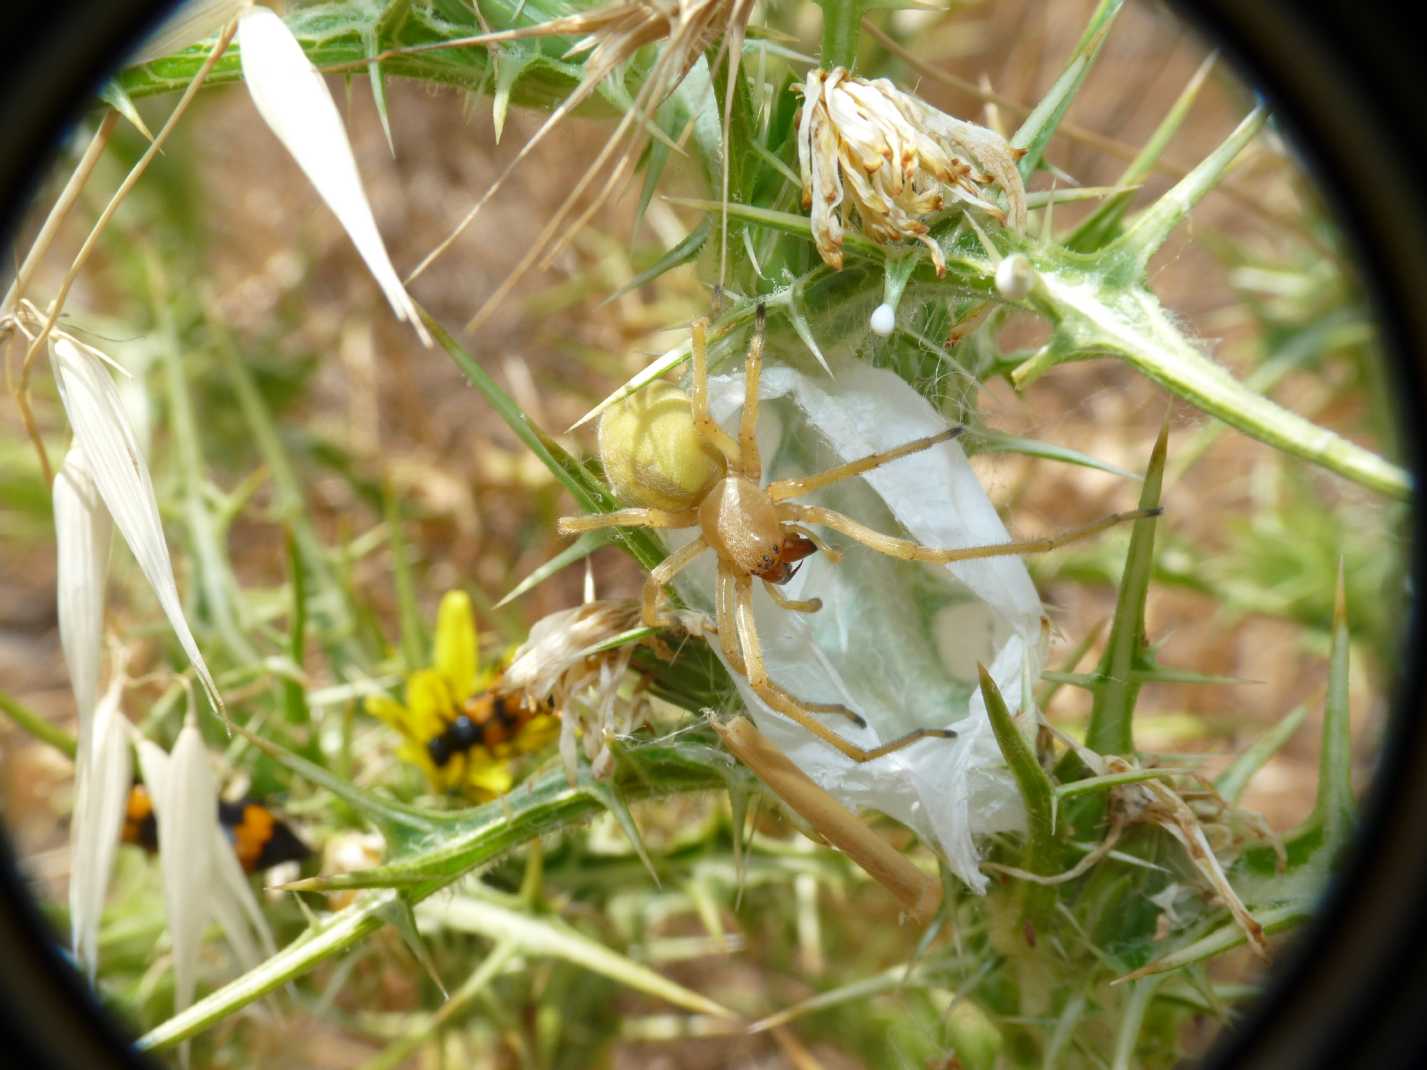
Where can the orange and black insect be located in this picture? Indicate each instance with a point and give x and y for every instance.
(260, 838)
(486, 720)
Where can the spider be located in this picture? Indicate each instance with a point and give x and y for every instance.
(759, 533)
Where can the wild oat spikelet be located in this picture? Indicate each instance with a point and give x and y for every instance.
(867, 149)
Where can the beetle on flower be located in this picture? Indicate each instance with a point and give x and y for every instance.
(459, 727)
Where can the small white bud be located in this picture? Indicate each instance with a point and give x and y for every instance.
(884, 320)
(1015, 277)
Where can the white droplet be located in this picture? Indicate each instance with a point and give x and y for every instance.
(884, 320)
(1015, 277)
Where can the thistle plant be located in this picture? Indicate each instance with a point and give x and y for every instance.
(1043, 881)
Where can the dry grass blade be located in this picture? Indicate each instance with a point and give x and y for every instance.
(615, 34)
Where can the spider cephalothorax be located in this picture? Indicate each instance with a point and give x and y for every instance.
(666, 452)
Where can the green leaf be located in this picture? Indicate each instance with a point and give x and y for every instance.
(377, 78)
(803, 329)
(1233, 780)
(685, 764)
(656, 158)
(294, 695)
(1055, 679)
(1221, 939)
(551, 937)
(321, 941)
(1130, 324)
(399, 914)
(1108, 781)
(1111, 715)
(397, 821)
(613, 802)
(1101, 225)
(1155, 224)
(1148, 674)
(581, 548)
(985, 441)
(682, 253)
(1035, 133)
(1040, 854)
(903, 974)
(413, 1036)
(787, 222)
(1132, 1021)
(591, 494)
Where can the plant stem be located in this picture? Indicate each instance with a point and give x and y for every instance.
(841, 24)
(31, 722)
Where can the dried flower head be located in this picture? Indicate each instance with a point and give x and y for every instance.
(868, 150)
(558, 665)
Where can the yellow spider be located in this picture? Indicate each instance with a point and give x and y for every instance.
(705, 478)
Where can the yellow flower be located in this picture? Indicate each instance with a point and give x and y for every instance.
(457, 724)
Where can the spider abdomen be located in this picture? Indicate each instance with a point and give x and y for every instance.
(739, 521)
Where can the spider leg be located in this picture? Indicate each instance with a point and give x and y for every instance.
(801, 712)
(796, 710)
(750, 463)
(729, 592)
(811, 605)
(724, 619)
(661, 574)
(628, 518)
(783, 489)
(704, 424)
(910, 550)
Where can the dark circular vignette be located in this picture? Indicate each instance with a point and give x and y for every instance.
(53, 54)
(1343, 80)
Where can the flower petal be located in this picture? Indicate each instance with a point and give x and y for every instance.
(456, 653)
(428, 704)
(103, 789)
(83, 533)
(490, 778)
(385, 708)
(96, 414)
(294, 101)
